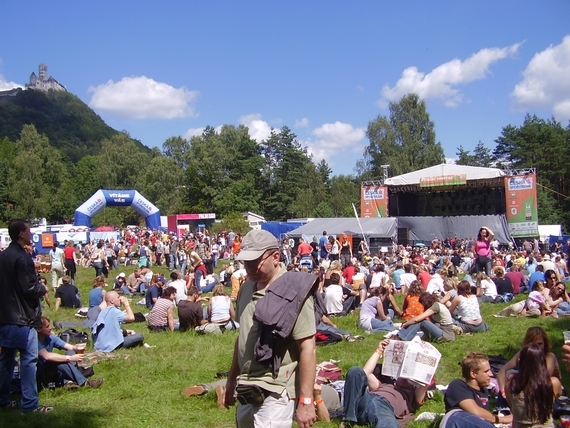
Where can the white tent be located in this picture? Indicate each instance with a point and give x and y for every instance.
(372, 227)
(472, 173)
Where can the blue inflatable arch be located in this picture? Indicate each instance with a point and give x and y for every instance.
(117, 198)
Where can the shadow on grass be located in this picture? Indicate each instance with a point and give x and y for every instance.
(61, 417)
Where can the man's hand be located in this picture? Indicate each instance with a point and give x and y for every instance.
(229, 398)
(77, 358)
(306, 416)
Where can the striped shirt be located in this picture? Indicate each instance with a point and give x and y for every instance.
(158, 316)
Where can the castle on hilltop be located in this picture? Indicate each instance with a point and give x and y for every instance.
(42, 83)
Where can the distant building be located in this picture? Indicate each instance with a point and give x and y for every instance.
(253, 219)
(44, 83)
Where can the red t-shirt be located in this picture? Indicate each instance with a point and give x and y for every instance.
(424, 277)
(304, 249)
(348, 273)
(69, 251)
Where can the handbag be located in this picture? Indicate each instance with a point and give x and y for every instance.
(73, 336)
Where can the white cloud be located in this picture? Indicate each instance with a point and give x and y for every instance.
(193, 132)
(333, 139)
(5, 85)
(259, 129)
(546, 81)
(303, 123)
(441, 81)
(450, 161)
(143, 98)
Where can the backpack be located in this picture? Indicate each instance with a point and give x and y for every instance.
(325, 337)
(73, 336)
(327, 372)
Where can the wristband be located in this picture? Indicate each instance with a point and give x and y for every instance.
(305, 401)
(67, 358)
(378, 351)
(319, 401)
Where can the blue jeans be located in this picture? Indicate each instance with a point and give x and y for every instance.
(324, 327)
(198, 274)
(426, 326)
(208, 287)
(363, 407)
(563, 309)
(98, 268)
(183, 266)
(133, 340)
(172, 264)
(28, 365)
(463, 419)
(215, 259)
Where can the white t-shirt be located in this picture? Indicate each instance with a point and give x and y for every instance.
(535, 300)
(333, 299)
(180, 286)
(377, 279)
(489, 287)
(435, 285)
(406, 279)
(55, 256)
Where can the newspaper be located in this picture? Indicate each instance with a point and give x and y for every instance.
(415, 360)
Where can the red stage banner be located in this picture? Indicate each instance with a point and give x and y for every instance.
(373, 201)
(522, 209)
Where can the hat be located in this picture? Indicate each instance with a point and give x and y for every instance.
(546, 257)
(255, 243)
(121, 275)
(162, 279)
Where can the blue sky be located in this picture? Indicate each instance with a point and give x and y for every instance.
(322, 68)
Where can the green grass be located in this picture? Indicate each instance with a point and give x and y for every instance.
(144, 390)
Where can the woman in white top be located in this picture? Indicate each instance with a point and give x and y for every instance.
(435, 284)
(486, 289)
(334, 296)
(379, 277)
(220, 309)
(465, 310)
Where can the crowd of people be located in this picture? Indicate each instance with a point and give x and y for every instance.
(273, 378)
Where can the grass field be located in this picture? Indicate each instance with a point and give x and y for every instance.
(144, 390)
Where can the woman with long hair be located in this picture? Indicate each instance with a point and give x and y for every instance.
(70, 262)
(531, 391)
(465, 309)
(372, 317)
(435, 321)
(412, 306)
(538, 336)
(486, 289)
(483, 258)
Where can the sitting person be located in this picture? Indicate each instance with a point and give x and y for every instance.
(531, 391)
(190, 312)
(369, 401)
(440, 327)
(536, 304)
(161, 317)
(412, 307)
(465, 310)
(107, 333)
(58, 368)
(97, 294)
(373, 317)
(559, 300)
(503, 284)
(334, 296)
(467, 400)
(154, 292)
(533, 335)
(486, 289)
(67, 295)
(221, 309)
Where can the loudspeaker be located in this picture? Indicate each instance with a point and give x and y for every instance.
(403, 235)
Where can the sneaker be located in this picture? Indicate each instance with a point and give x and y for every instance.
(72, 386)
(220, 393)
(40, 409)
(94, 383)
(190, 391)
(11, 404)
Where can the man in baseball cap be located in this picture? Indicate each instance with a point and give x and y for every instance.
(255, 243)
(262, 396)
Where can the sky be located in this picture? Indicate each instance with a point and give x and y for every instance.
(324, 69)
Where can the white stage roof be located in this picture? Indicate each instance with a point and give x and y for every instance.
(472, 173)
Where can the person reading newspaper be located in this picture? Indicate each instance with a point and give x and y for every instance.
(367, 400)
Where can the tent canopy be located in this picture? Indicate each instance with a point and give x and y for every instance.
(472, 173)
(372, 227)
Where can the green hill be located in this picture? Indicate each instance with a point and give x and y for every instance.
(70, 124)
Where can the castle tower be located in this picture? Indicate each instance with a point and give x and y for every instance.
(43, 72)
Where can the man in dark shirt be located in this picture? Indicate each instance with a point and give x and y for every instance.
(66, 295)
(154, 292)
(381, 405)
(190, 312)
(467, 400)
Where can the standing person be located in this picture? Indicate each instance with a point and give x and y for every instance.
(70, 261)
(483, 250)
(345, 250)
(323, 253)
(56, 258)
(269, 393)
(531, 390)
(334, 253)
(20, 316)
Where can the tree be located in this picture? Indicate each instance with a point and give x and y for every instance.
(405, 141)
(233, 221)
(481, 156)
(177, 148)
(38, 178)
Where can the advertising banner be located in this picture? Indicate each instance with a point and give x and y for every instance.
(443, 180)
(522, 211)
(373, 201)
